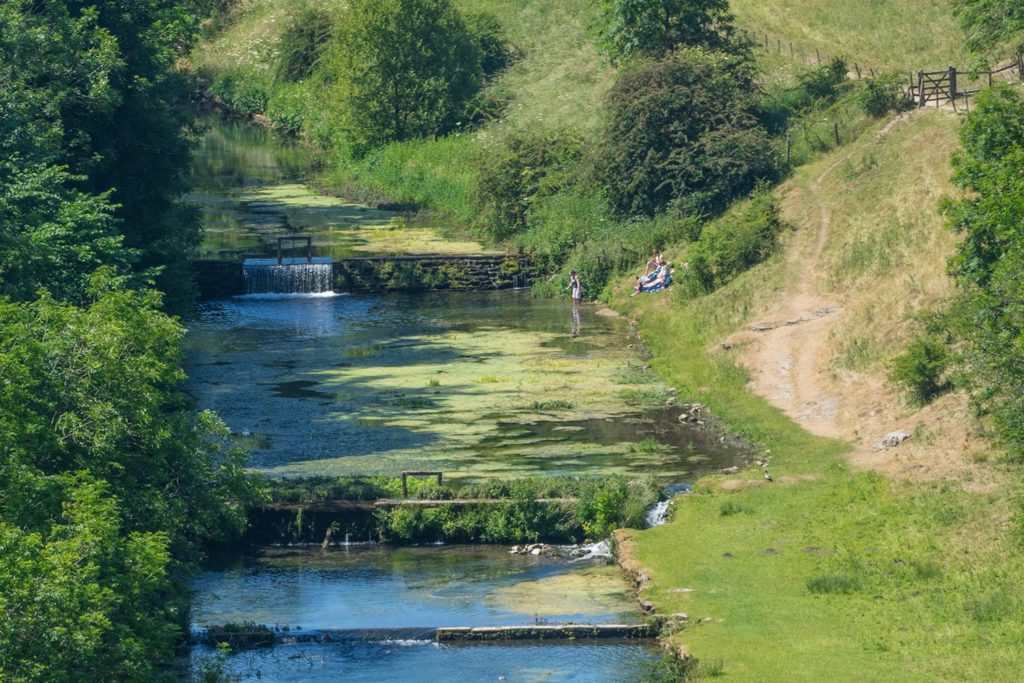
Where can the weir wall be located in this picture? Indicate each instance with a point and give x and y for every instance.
(223, 278)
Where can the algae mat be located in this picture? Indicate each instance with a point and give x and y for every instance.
(250, 190)
(478, 385)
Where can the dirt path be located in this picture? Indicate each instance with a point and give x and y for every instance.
(786, 351)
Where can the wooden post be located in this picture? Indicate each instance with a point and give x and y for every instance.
(920, 89)
(789, 147)
(835, 128)
(857, 67)
(766, 42)
(792, 55)
(872, 72)
(440, 478)
(779, 45)
(990, 79)
(952, 84)
(818, 53)
(405, 485)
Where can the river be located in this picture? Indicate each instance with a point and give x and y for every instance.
(477, 384)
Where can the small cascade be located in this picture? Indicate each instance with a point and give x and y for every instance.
(658, 514)
(593, 551)
(288, 275)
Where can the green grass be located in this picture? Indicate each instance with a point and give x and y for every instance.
(830, 573)
(896, 35)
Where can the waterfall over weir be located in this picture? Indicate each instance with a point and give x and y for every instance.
(288, 275)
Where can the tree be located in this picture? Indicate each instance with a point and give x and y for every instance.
(107, 107)
(683, 132)
(989, 265)
(96, 390)
(404, 69)
(654, 28)
(992, 25)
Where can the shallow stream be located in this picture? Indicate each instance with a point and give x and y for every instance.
(487, 384)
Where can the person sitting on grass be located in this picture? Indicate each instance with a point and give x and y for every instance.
(657, 281)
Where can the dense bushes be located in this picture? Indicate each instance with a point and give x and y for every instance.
(602, 506)
(742, 238)
(302, 43)
(989, 265)
(683, 133)
(632, 28)
(882, 95)
(920, 369)
(516, 173)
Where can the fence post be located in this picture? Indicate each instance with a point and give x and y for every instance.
(1020, 65)
(789, 147)
(952, 84)
(835, 127)
(922, 102)
(818, 53)
(791, 55)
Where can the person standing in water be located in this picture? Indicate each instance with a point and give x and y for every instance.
(576, 291)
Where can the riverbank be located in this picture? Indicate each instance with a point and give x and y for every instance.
(828, 570)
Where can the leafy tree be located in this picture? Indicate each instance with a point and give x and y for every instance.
(106, 106)
(654, 28)
(992, 25)
(96, 390)
(404, 69)
(80, 600)
(302, 43)
(989, 265)
(683, 132)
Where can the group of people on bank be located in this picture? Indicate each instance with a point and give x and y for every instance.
(657, 275)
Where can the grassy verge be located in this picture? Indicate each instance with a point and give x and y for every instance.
(829, 573)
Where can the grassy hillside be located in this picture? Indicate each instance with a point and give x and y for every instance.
(886, 34)
(830, 572)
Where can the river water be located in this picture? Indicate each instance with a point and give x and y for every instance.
(485, 384)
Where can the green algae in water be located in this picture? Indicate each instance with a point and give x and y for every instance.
(249, 192)
(417, 402)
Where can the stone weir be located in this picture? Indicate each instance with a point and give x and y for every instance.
(413, 273)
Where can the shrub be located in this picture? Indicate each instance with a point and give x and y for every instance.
(815, 89)
(241, 92)
(730, 508)
(645, 28)
(302, 43)
(496, 52)
(388, 92)
(683, 132)
(821, 83)
(734, 243)
(920, 369)
(515, 173)
(286, 110)
(881, 96)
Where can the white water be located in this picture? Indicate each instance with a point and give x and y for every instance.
(288, 276)
(658, 514)
(593, 551)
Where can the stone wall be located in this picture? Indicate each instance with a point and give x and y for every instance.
(223, 278)
(425, 273)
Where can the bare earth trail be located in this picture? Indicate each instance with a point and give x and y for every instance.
(789, 351)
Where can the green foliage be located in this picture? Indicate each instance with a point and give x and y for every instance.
(683, 133)
(920, 369)
(989, 264)
(496, 52)
(79, 598)
(816, 88)
(403, 69)
(882, 95)
(517, 172)
(727, 247)
(607, 504)
(992, 26)
(99, 99)
(654, 28)
(302, 43)
(243, 92)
